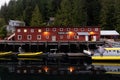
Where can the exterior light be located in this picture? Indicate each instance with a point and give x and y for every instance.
(92, 33)
(71, 69)
(70, 33)
(46, 33)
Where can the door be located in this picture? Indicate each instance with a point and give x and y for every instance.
(86, 38)
(53, 38)
(94, 38)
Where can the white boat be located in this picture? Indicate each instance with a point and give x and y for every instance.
(105, 53)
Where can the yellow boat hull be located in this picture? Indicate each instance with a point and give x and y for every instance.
(6, 54)
(105, 57)
(37, 54)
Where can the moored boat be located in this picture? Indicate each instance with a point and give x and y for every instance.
(6, 54)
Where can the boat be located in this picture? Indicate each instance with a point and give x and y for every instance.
(30, 54)
(107, 52)
(6, 54)
(112, 53)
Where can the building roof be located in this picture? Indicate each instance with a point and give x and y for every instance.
(108, 32)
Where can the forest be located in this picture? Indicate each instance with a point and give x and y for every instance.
(103, 13)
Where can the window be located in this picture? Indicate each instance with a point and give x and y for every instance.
(32, 30)
(29, 37)
(19, 37)
(75, 29)
(54, 29)
(19, 30)
(68, 29)
(47, 37)
(25, 30)
(47, 29)
(61, 36)
(39, 30)
(61, 29)
(68, 37)
(38, 37)
(76, 37)
(82, 29)
(89, 29)
(96, 29)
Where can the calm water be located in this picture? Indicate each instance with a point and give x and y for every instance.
(94, 71)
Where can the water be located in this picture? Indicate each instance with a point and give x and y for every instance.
(94, 71)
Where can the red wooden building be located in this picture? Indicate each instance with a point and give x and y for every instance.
(86, 33)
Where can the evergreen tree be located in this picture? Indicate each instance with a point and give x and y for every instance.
(79, 13)
(107, 14)
(64, 14)
(36, 17)
(117, 15)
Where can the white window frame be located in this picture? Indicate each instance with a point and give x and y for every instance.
(75, 29)
(39, 30)
(61, 29)
(29, 37)
(61, 36)
(54, 29)
(25, 30)
(19, 30)
(68, 29)
(89, 29)
(47, 29)
(68, 37)
(47, 37)
(19, 37)
(38, 37)
(76, 37)
(82, 29)
(96, 29)
(32, 30)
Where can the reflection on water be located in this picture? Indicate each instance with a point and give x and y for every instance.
(94, 71)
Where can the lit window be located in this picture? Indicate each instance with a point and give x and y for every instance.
(25, 30)
(96, 29)
(19, 37)
(75, 29)
(38, 37)
(54, 29)
(61, 36)
(82, 29)
(29, 37)
(18, 30)
(68, 29)
(32, 30)
(61, 29)
(47, 29)
(39, 30)
(89, 29)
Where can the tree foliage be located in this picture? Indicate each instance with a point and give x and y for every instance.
(36, 17)
(105, 13)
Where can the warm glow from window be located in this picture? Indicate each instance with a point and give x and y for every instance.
(25, 30)
(39, 30)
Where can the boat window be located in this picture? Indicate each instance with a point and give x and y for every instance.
(118, 51)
